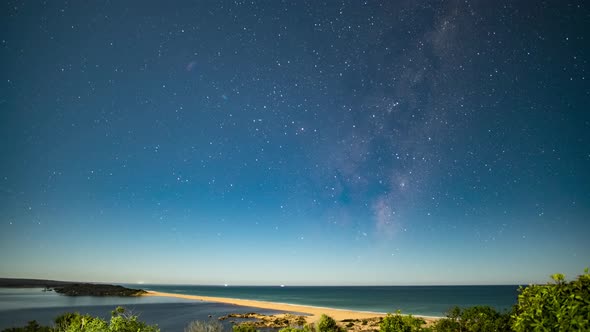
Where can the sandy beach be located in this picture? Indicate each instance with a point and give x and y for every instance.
(313, 313)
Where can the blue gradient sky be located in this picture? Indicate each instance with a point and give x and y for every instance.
(213, 142)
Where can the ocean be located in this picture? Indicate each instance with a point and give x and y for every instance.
(419, 300)
(17, 306)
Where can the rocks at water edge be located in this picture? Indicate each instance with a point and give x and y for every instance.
(267, 321)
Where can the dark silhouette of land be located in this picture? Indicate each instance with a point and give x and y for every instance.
(32, 283)
(71, 288)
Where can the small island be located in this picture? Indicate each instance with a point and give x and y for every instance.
(97, 290)
(69, 288)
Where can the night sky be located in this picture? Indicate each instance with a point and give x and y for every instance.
(295, 142)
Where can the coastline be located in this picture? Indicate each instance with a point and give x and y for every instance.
(313, 313)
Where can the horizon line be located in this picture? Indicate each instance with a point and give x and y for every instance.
(278, 285)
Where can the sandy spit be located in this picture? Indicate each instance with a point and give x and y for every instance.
(313, 313)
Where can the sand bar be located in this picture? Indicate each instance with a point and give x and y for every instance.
(313, 313)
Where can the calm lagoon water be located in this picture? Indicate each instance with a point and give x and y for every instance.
(27, 298)
(18, 306)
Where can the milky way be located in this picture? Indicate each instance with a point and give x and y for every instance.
(401, 142)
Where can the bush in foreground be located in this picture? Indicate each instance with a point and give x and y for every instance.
(292, 329)
(556, 306)
(123, 322)
(473, 319)
(328, 324)
(244, 328)
(399, 323)
(31, 326)
(74, 322)
(200, 326)
(120, 321)
(305, 328)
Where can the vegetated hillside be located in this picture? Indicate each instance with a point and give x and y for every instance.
(70, 288)
(97, 290)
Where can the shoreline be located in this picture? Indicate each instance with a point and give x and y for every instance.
(312, 313)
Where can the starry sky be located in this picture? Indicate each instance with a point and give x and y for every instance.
(295, 142)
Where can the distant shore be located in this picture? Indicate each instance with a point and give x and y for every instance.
(313, 313)
(70, 288)
(32, 283)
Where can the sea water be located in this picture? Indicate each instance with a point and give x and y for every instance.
(418, 300)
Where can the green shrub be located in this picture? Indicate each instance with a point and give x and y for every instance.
(399, 323)
(124, 322)
(31, 326)
(310, 327)
(328, 324)
(483, 319)
(244, 328)
(200, 326)
(300, 321)
(473, 319)
(305, 328)
(75, 322)
(556, 306)
(291, 329)
(446, 325)
(451, 323)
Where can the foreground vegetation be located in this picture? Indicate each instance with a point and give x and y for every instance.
(120, 321)
(557, 306)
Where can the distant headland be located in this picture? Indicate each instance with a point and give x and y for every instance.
(70, 288)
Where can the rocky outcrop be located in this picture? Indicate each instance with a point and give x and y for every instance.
(370, 324)
(265, 321)
(258, 321)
